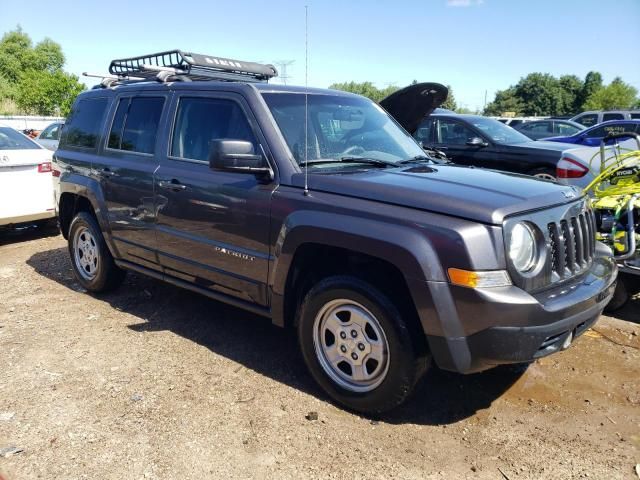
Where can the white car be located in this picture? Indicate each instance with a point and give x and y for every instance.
(50, 136)
(26, 186)
(579, 166)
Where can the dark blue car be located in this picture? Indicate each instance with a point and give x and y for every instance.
(592, 136)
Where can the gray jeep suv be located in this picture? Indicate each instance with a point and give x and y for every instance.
(314, 208)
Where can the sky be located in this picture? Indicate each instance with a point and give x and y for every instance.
(475, 46)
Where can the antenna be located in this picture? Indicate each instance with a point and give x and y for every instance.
(306, 99)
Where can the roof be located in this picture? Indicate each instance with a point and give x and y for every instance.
(237, 86)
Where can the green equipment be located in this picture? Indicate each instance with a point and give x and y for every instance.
(615, 199)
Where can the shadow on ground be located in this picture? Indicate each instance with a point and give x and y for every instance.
(252, 341)
(27, 232)
(631, 310)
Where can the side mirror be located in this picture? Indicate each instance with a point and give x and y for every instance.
(237, 156)
(476, 142)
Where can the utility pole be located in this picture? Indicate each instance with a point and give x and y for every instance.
(282, 69)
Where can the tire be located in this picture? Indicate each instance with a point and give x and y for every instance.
(620, 296)
(371, 328)
(91, 260)
(544, 174)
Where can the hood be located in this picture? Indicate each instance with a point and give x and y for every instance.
(411, 104)
(476, 194)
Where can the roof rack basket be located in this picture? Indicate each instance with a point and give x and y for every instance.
(176, 64)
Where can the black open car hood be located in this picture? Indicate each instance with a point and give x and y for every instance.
(411, 104)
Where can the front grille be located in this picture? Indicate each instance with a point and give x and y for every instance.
(571, 245)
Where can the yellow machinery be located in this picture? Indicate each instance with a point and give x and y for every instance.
(615, 198)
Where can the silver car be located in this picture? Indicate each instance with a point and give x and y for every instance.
(50, 136)
(579, 166)
(589, 119)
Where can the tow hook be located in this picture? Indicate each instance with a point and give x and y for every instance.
(567, 341)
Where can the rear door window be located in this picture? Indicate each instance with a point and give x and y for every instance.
(566, 129)
(82, 127)
(588, 120)
(538, 127)
(612, 116)
(200, 120)
(635, 116)
(135, 124)
(605, 130)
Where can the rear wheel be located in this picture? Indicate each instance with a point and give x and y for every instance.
(92, 262)
(357, 346)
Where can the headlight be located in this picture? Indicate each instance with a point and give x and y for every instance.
(522, 248)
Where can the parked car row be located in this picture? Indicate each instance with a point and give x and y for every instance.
(478, 141)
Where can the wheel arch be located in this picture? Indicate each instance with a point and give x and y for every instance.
(393, 258)
(80, 193)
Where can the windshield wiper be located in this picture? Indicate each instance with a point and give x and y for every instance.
(436, 156)
(417, 159)
(369, 161)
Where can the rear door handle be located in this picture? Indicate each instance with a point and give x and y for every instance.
(174, 185)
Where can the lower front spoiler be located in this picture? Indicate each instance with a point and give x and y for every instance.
(500, 345)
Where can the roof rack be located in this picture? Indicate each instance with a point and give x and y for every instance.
(178, 65)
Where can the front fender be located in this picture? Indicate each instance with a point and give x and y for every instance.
(410, 251)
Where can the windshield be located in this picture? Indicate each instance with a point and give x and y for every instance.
(339, 127)
(498, 131)
(12, 140)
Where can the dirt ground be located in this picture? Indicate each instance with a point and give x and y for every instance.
(159, 383)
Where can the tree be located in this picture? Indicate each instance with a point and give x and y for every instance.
(615, 95)
(450, 102)
(592, 83)
(505, 101)
(571, 88)
(32, 77)
(45, 93)
(541, 94)
(367, 89)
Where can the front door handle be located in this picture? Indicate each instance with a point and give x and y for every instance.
(106, 173)
(174, 185)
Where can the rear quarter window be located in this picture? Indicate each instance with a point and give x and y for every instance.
(612, 116)
(82, 127)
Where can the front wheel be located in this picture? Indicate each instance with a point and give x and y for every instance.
(620, 296)
(92, 262)
(357, 346)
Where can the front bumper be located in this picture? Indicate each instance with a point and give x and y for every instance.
(508, 325)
